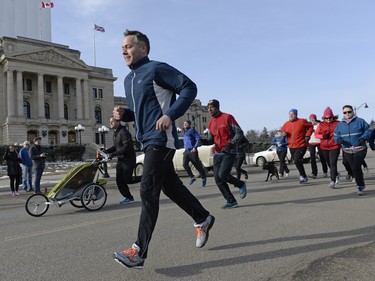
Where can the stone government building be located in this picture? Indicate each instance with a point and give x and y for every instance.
(46, 90)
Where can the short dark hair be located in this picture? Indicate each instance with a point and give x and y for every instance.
(140, 37)
(349, 106)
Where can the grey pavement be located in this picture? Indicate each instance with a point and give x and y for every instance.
(281, 231)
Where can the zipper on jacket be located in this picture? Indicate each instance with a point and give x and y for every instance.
(135, 115)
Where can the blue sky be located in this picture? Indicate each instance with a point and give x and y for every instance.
(259, 58)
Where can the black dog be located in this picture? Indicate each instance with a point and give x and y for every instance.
(272, 170)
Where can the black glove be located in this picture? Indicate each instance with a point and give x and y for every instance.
(227, 148)
(340, 141)
(204, 142)
(325, 136)
(362, 142)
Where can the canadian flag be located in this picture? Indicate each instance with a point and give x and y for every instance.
(47, 5)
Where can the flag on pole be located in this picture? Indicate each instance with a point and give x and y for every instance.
(99, 28)
(47, 5)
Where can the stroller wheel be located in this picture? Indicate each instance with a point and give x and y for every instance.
(76, 203)
(93, 197)
(37, 205)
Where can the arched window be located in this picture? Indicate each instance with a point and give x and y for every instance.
(46, 111)
(66, 114)
(98, 115)
(26, 110)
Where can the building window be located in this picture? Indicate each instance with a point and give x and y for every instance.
(47, 111)
(26, 109)
(66, 114)
(97, 93)
(98, 115)
(48, 87)
(66, 89)
(204, 119)
(27, 85)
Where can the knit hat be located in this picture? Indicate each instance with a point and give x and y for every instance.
(214, 103)
(312, 116)
(294, 111)
(327, 113)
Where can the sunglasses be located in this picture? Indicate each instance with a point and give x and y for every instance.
(328, 118)
(347, 112)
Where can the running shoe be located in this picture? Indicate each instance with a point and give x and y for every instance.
(192, 180)
(129, 257)
(203, 230)
(127, 201)
(230, 205)
(312, 176)
(303, 180)
(332, 184)
(360, 190)
(204, 182)
(243, 191)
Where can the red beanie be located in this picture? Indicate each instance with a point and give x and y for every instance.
(312, 116)
(328, 113)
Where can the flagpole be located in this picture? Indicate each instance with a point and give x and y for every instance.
(94, 46)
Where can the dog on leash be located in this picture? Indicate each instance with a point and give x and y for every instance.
(272, 170)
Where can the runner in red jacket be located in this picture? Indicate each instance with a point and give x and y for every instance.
(298, 132)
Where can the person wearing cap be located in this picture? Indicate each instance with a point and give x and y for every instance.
(330, 149)
(124, 150)
(38, 156)
(314, 147)
(191, 142)
(27, 166)
(352, 133)
(281, 142)
(151, 89)
(225, 133)
(298, 131)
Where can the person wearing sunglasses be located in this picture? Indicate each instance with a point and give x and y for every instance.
(330, 149)
(352, 133)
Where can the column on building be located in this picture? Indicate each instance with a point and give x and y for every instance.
(79, 99)
(60, 97)
(10, 93)
(86, 101)
(19, 94)
(41, 113)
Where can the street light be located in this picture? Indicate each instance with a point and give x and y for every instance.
(79, 128)
(104, 130)
(357, 108)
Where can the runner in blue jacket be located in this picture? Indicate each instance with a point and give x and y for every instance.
(352, 133)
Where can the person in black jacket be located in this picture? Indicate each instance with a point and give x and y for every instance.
(38, 156)
(13, 169)
(124, 150)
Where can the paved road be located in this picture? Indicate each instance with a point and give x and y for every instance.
(281, 231)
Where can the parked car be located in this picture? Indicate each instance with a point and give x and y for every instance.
(270, 155)
(206, 153)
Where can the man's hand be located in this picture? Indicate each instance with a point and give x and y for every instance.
(163, 123)
(227, 148)
(118, 112)
(340, 141)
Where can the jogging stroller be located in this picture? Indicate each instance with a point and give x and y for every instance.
(81, 187)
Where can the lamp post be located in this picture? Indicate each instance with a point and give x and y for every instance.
(79, 128)
(104, 130)
(357, 108)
